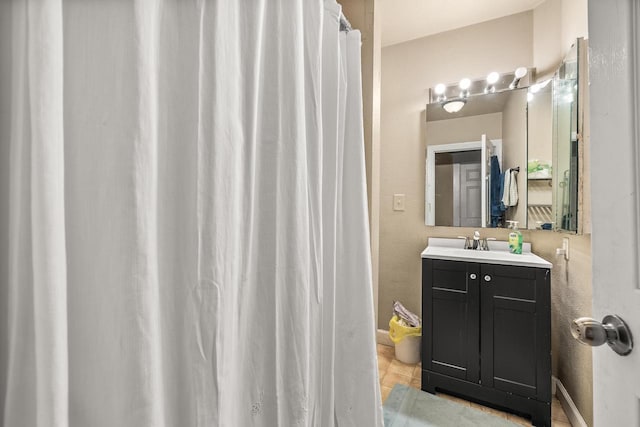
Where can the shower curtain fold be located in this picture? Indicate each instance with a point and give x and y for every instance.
(36, 244)
(186, 216)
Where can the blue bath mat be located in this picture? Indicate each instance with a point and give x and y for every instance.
(409, 407)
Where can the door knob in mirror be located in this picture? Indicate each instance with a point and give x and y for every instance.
(612, 330)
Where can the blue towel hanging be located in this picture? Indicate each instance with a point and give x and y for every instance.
(496, 187)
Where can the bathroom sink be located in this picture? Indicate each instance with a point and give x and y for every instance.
(498, 253)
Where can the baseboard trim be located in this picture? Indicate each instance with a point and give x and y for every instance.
(382, 337)
(568, 404)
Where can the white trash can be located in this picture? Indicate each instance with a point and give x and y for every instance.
(408, 350)
(406, 340)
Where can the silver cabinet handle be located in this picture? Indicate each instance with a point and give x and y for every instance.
(472, 276)
(487, 278)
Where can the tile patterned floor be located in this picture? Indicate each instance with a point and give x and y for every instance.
(394, 372)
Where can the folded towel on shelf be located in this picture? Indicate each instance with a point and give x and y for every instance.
(510, 188)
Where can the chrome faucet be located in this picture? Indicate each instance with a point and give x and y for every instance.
(467, 242)
(478, 243)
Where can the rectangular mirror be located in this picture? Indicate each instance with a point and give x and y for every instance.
(513, 154)
(468, 153)
(540, 158)
(566, 142)
(554, 148)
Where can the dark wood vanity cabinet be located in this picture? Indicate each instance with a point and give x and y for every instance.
(486, 335)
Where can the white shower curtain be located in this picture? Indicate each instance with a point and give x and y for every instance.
(183, 225)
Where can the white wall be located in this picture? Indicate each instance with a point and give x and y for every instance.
(574, 22)
(556, 26)
(547, 37)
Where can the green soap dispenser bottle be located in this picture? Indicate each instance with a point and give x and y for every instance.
(515, 238)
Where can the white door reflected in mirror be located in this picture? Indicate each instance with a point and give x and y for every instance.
(457, 187)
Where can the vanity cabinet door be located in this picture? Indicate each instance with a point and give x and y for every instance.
(450, 301)
(515, 331)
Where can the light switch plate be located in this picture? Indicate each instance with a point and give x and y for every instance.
(398, 202)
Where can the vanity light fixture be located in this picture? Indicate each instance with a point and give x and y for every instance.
(464, 84)
(453, 97)
(492, 79)
(439, 91)
(454, 105)
(519, 73)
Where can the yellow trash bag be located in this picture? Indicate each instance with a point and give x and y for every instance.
(397, 331)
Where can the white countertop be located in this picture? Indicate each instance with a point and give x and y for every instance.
(498, 253)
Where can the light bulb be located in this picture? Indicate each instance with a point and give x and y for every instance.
(440, 88)
(520, 72)
(492, 78)
(465, 83)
